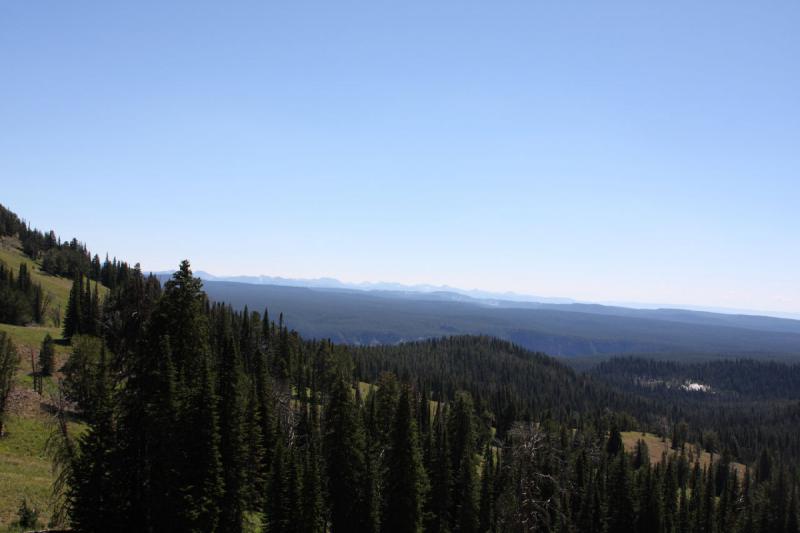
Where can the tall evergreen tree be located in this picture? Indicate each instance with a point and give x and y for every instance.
(313, 502)
(347, 469)
(9, 360)
(233, 448)
(621, 512)
(254, 471)
(46, 355)
(73, 318)
(201, 479)
(406, 480)
(487, 491)
(276, 513)
(438, 512)
(461, 425)
(92, 484)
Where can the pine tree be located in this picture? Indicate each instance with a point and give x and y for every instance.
(669, 495)
(641, 455)
(461, 425)
(46, 355)
(707, 509)
(487, 492)
(276, 514)
(254, 471)
(283, 355)
(294, 493)
(87, 318)
(793, 521)
(201, 476)
(313, 505)
(406, 481)
(232, 436)
(441, 475)
(92, 484)
(74, 314)
(347, 468)
(9, 360)
(649, 517)
(683, 525)
(94, 311)
(621, 512)
(614, 445)
(187, 434)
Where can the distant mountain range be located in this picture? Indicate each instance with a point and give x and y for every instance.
(333, 283)
(392, 313)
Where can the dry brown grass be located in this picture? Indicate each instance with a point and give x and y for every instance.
(657, 448)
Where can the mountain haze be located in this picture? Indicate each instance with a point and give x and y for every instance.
(568, 330)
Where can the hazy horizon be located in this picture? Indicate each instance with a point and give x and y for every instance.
(615, 152)
(481, 293)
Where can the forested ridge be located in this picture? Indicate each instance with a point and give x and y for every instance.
(198, 417)
(204, 419)
(749, 406)
(60, 258)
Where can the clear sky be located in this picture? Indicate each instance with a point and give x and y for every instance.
(627, 151)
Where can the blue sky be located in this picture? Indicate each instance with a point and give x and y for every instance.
(626, 151)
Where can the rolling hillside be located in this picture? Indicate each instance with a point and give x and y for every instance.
(25, 466)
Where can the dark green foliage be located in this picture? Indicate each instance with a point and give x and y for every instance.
(313, 512)
(751, 405)
(641, 455)
(276, 516)
(621, 513)
(27, 516)
(81, 370)
(438, 509)
(463, 461)
(363, 318)
(21, 300)
(233, 445)
(349, 475)
(73, 317)
(47, 356)
(201, 478)
(614, 444)
(83, 309)
(487, 492)
(406, 482)
(67, 259)
(9, 360)
(92, 483)
(200, 418)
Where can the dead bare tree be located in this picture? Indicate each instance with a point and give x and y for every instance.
(282, 397)
(531, 501)
(61, 447)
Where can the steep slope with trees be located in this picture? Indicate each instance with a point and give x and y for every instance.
(195, 416)
(222, 420)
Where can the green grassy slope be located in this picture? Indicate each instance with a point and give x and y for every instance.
(25, 468)
(58, 288)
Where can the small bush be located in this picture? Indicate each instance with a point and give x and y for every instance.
(28, 516)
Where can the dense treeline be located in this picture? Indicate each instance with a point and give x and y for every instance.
(83, 309)
(68, 258)
(22, 301)
(200, 418)
(504, 379)
(738, 379)
(750, 406)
